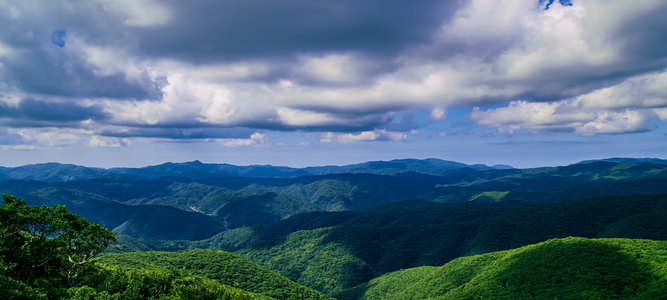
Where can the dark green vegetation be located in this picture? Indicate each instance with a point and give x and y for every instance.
(571, 268)
(46, 248)
(340, 229)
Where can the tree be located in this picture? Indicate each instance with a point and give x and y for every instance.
(47, 245)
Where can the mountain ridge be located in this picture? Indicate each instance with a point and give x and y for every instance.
(55, 172)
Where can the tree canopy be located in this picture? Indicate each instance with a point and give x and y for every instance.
(47, 246)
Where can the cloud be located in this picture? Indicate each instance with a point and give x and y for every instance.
(557, 117)
(256, 139)
(622, 108)
(9, 137)
(46, 48)
(103, 141)
(438, 114)
(18, 147)
(614, 122)
(34, 113)
(464, 132)
(61, 71)
(512, 49)
(240, 29)
(662, 113)
(177, 133)
(347, 69)
(365, 136)
(50, 137)
(134, 12)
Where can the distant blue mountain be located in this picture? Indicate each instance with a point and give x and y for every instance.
(55, 172)
(627, 160)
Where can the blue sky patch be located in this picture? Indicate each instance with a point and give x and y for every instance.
(58, 38)
(562, 2)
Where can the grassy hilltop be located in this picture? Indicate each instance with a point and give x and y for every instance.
(570, 268)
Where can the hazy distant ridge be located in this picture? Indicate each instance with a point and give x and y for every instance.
(55, 172)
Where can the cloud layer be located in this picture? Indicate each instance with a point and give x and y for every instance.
(104, 72)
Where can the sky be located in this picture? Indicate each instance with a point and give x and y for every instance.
(529, 83)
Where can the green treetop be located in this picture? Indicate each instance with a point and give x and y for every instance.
(48, 244)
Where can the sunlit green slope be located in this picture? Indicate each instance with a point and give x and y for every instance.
(226, 268)
(570, 268)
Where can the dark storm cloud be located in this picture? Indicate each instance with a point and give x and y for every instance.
(643, 39)
(56, 72)
(48, 56)
(34, 113)
(344, 122)
(205, 31)
(179, 133)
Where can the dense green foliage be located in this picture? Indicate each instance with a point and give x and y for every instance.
(113, 283)
(126, 243)
(618, 216)
(47, 247)
(571, 268)
(308, 258)
(223, 267)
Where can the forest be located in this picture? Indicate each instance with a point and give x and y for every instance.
(402, 229)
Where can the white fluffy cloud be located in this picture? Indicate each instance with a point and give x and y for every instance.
(334, 68)
(256, 139)
(365, 136)
(111, 142)
(625, 107)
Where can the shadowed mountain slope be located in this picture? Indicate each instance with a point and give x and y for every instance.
(140, 221)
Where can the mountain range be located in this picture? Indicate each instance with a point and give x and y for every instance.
(351, 231)
(56, 172)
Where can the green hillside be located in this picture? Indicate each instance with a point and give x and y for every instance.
(360, 245)
(114, 283)
(316, 259)
(570, 268)
(223, 267)
(351, 248)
